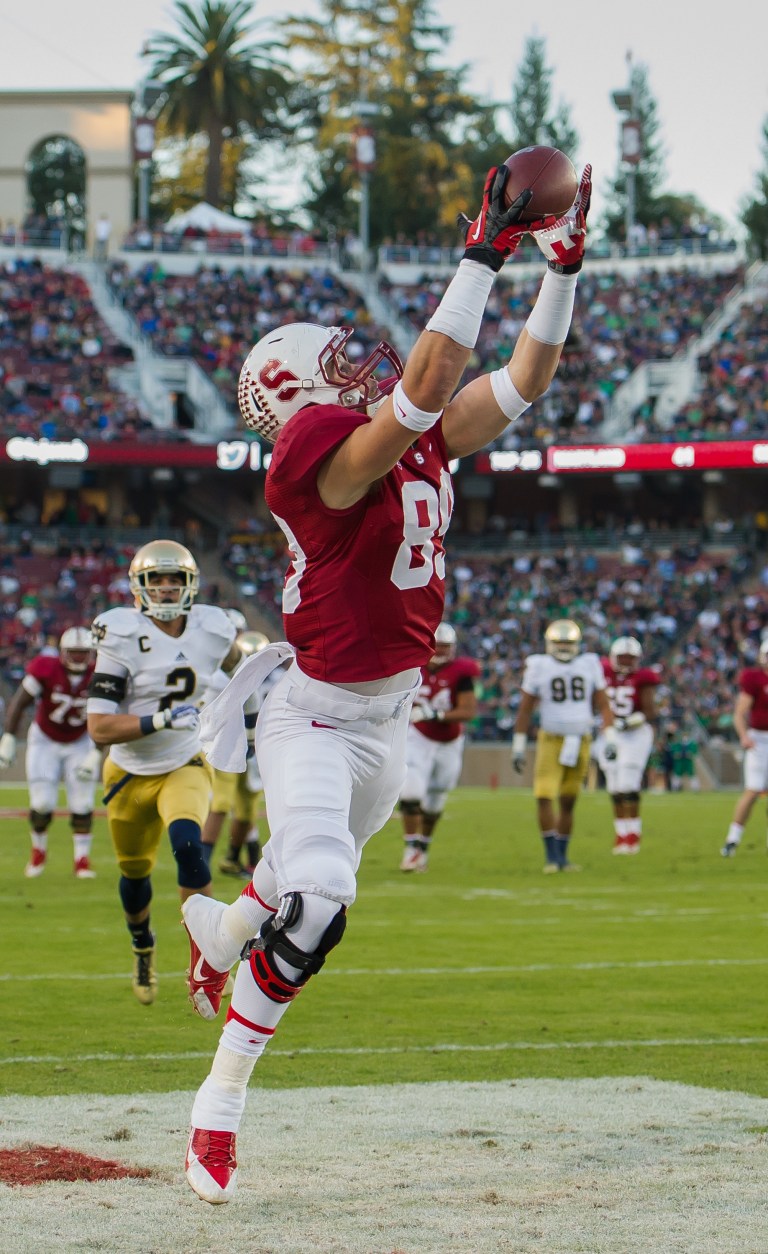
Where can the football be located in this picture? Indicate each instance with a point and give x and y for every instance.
(549, 174)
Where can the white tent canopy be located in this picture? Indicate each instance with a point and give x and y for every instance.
(207, 218)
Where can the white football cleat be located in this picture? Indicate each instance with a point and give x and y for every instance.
(414, 859)
(211, 1164)
(83, 870)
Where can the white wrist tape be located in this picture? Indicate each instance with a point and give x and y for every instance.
(408, 415)
(461, 310)
(519, 744)
(508, 399)
(550, 317)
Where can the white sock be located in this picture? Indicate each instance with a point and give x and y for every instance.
(82, 845)
(39, 841)
(735, 832)
(256, 903)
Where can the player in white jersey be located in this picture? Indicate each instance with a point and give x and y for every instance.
(153, 665)
(568, 687)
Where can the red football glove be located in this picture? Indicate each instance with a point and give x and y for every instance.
(563, 240)
(495, 233)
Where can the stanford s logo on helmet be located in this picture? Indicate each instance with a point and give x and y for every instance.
(304, 364)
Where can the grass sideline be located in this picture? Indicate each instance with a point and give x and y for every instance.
(481, 970)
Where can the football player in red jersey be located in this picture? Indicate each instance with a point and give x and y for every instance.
(631, 693)
(435, 747)
(359, 483)
(750, 720)
(59, 749)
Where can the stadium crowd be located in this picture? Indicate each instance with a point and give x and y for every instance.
(214, 316)
(56, 354)
(621, 321)
(731, 402)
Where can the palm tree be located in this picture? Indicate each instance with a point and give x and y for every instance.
(218, 82)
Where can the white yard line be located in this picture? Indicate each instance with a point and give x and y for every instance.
(499, 1047)
(371, 972)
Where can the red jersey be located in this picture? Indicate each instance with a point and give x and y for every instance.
(754, 681)
(440, 688)
(61, 696)
(624, 690)
(365, 587)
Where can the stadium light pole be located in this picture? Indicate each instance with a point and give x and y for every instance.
(365, 158)
(630, 148)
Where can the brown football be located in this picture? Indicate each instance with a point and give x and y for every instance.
(549, 174)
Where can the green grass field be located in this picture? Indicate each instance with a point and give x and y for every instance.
(482, 969)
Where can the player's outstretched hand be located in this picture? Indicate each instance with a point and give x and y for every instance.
(90, 767)
(496, 231)
(7, 750)
(182, 718)
(563, 240)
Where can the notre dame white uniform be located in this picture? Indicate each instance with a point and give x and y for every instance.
(153, 671)
(565, 692)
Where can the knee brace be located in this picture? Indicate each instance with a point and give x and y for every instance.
(81, 823)
(618, 798)
(411, 808)
(187, 846)
(135, 894)
(40, 822)
(272, 942)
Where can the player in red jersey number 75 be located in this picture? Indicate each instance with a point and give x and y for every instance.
(359, 483)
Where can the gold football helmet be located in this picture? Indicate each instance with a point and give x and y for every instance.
(163, 557)
(562, 639)
(252, 641)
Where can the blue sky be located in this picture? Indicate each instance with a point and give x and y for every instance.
(706, 66)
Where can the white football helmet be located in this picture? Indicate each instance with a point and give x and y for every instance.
(163, 557)
(625, 654)
(237, 619)
(252, 641)
(75, 649)
(445, 644)
(303, 364)
(562, 639)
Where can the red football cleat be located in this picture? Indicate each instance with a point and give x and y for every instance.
(36, 864)
(211, 1165)
(206, 986)
(83, 869)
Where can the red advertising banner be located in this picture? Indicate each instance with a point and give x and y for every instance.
(226, 455)
(617, 458)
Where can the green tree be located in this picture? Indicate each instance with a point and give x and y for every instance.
(534, 118)
(648, 174)
(56, 180)
(432, 137)
(755, 212)
(219, 82)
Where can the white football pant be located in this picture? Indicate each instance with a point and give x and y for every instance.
(434, 767)
(50, 763)
(333, 764)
